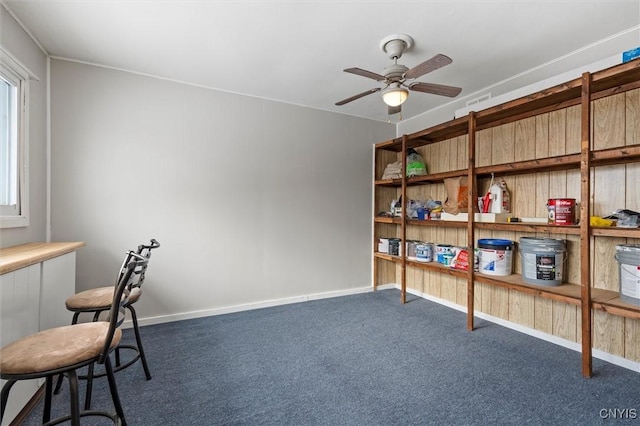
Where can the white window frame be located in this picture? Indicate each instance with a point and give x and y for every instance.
(16, 72)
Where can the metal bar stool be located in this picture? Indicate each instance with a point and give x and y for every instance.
(98, 300)
(62, 350)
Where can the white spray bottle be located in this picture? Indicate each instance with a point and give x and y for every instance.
(500, 199)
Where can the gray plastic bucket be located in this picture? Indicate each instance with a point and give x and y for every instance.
(628, 257)
(542, 260)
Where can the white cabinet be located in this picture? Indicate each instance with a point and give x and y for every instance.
(58, 283)
(35, 280)
(19, 316)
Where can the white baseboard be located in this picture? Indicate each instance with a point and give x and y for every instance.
(247, 306)
(605, 356)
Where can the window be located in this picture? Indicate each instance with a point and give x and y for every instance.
(14, 85)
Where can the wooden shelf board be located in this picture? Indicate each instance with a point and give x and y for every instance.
(390, 220)
(618, 155)
(563, 162)
(616, 306)
(439, 223)
(613, 231)
(529, 227)
(388, 182)
(384, 256)
(450, 129)
(394, 145)
(436, 177)
(435, 266)
(568, 293)
(616, 76)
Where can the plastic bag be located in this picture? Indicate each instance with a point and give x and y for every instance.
(415, 164)
(457, 194)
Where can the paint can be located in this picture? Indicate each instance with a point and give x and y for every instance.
(424, 252)
(542, 260)
(495, 256)
(395, 249)
(562, 211)
(628, 257)
(411, 249)
(441, 250)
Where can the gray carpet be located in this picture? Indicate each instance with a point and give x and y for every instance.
(362, 360)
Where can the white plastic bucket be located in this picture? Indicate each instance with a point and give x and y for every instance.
(628, 257)
(495, 257)
(542, 260)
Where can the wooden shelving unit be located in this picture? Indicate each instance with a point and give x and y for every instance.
(465, 147)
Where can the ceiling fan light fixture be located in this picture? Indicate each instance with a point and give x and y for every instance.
(395, 95)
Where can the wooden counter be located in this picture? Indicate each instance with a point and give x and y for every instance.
(17, 257)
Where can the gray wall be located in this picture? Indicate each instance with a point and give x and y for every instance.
(252, 200)
(15, 40)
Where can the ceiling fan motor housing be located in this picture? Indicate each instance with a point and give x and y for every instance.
(395, 45)
(395, 72)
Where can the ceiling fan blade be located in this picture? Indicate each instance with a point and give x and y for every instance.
(358, 96)
(429, 65)
(436, 89)
(394, 110)
(365, 73)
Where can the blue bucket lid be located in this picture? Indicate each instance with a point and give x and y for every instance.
(495, 242)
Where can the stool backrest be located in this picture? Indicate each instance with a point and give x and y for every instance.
(145, 251)
(133, 265)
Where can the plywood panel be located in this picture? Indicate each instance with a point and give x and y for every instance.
(525, 139)
(541, 194)
(521, 308)
(502, 145)
(609, 194)
(564, 320)
(382, 159)
(632, 193)
(557, 132)
(461, 292)
(463, 152)
(572, 263)
(444, 155)
(573, 131)
(453, 154)
(483, 147)
(543, 315)
(605, 275)
(632, 117)
(631, 338)
(609, 122)
(385, 272)
(608, 333)
(542, 136)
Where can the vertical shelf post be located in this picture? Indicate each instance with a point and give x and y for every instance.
(403, 232)
(585, 209)
(473, 196)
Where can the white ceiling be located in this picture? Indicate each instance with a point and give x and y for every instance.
(295, 51)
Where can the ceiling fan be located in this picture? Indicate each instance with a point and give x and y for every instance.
(397, 77)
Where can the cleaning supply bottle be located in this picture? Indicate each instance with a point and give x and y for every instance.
(500, 199)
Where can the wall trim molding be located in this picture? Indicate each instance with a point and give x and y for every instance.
(247, 306)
